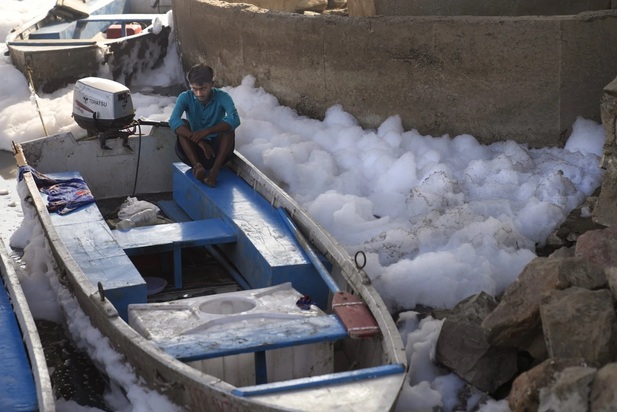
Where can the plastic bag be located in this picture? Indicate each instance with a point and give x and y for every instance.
(131, 206)
(142, 218)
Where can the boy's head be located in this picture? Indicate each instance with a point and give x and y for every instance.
(200, 74)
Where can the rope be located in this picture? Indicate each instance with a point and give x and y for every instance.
(36, 98)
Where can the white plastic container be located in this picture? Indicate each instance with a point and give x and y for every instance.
(235, 310)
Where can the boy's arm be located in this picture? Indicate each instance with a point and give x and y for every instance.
(231, 113)
(175, 119)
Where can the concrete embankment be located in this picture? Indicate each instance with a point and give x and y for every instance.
(524, 78)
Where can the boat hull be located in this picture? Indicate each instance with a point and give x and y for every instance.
(34, 391)
(49, 68)
(184, 385)
(53, 52)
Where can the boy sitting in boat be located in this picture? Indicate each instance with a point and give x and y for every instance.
(206, 138)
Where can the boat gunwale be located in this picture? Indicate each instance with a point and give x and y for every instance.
(15, 39)
(31, 338)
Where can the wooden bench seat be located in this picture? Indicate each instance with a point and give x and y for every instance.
(174, 237)
(90, 241)
(265, 253)
(281, 334)
(54, 32)
(254, 338)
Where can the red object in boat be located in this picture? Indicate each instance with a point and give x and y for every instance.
(354, 315)
(115, 30)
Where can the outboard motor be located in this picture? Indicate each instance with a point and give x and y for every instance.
(103, 108)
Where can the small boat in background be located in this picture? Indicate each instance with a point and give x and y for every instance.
(77, 38)
(25, 384)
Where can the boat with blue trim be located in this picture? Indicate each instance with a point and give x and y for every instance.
(294, 323)
(80, 38)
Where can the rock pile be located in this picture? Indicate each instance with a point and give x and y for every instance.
(550, 342)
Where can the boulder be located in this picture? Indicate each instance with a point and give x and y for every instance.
(611, 277)
(604, 389)
(461, 346)
(599, 246)
(525, 393)
(516, 320)
(580, 322)
(569, 392)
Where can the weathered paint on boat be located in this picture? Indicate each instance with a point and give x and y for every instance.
(118, 172)
(66, 44)
(25, 383)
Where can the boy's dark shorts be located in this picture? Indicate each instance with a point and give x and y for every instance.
(207, 163)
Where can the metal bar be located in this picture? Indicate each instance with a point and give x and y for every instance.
(323, 272)
(316, 381)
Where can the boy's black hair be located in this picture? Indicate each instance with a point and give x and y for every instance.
(200, 74)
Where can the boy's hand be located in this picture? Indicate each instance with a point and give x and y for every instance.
(205, 146)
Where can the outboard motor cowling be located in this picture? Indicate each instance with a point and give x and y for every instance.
(103, 107)
(102, 104)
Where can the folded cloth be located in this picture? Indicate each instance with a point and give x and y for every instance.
(63, 195)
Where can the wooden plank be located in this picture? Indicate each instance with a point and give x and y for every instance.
(173, 211)
(254, 338)
(90, 242)
(174, 237)
(165, 237)
(361, 8)
(94, 248)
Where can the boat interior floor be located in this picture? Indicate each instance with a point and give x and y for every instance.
(202, 273)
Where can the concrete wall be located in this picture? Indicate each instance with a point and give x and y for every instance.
(497, 78)
(487, 8)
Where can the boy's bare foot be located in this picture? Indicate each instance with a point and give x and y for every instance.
(211, 179)
(199, 172)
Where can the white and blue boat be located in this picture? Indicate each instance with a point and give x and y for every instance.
(293, 323)
(77, 38)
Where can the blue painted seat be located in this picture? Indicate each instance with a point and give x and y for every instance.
(90, 241)
(174, 237)
(283, 334)
(269, 336)
(256, 339)
(265, 252)
(54, 32)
